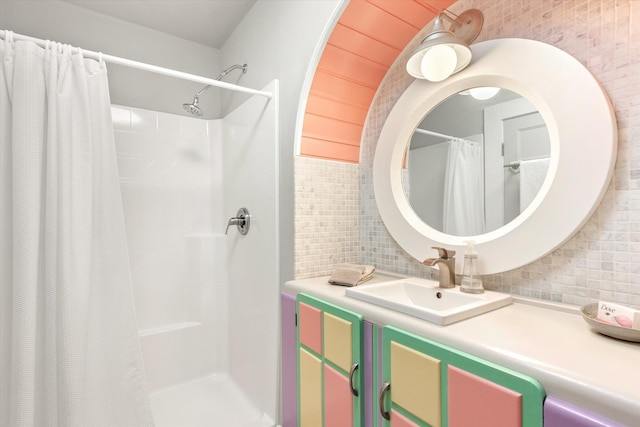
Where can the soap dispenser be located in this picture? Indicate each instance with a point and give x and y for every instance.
(471, 282)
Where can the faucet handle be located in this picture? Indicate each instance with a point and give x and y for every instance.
(444, 253)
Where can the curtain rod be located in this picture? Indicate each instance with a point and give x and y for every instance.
(146, 67)
(441, 135)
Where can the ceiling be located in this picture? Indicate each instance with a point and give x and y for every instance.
(208, 22)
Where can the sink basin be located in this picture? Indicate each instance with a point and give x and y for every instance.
(424, 299)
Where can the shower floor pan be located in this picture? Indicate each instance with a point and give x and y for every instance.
(214, 401)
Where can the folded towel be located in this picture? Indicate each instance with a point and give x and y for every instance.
(351, 274)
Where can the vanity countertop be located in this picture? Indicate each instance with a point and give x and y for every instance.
(549, 342)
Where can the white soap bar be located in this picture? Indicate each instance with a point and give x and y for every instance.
(618, 315)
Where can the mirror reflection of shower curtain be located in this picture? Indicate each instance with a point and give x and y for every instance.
(463, 212)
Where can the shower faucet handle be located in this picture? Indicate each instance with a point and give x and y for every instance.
(242, 220)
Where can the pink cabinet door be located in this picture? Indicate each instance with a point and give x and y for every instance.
(475, 401)
(338, 409)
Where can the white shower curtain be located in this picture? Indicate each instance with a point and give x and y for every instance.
(70, 353)
(463, 213)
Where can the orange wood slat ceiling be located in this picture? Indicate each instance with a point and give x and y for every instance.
(365, 42)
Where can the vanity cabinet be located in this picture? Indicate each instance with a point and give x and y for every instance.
(561, 414)
(428, 384)
(458, 372)
(289, 372)
(330, 371)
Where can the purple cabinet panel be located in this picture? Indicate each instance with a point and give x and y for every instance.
(561, 414)
(369, 388)
(289, 361)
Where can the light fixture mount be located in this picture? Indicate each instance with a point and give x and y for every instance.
(445, 52)
(467, 25)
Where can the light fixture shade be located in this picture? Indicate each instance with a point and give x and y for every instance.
(415, 63)
(420, 63)
(484, 93)
(438, 62)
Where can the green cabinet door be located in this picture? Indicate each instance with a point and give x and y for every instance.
(330, 373)
(428, 384)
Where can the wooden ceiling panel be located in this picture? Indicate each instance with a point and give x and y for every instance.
(374, 22)
(351, 67)
(336, 109)
(437, 6)
(320, 127)
(363, 45)
(330, 150)
(332, 87)
(365, 42)
(415, 13)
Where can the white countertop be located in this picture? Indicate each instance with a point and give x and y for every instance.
(548, 342)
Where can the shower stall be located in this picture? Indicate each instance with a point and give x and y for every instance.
(206, 302)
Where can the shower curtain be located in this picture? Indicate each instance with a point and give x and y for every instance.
(70, 353)
(463, 213)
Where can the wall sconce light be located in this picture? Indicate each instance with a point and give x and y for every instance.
(481, 93)
(445, 52)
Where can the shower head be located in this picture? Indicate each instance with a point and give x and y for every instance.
(193, 108)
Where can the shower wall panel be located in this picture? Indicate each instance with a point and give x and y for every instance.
(167, 176)
(250, 154)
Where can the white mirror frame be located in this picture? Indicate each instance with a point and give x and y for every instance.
(583, 135)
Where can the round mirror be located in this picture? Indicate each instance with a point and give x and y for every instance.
(582, 137)
(476, 161)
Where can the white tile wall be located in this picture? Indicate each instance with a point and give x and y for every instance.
(206, 302)
(327, 211)
(165, 166)
(602, 261)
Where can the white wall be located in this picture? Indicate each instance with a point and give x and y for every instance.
(277, 39)
(66, 23)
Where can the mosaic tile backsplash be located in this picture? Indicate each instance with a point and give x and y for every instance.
(602, 260)
(327, 216)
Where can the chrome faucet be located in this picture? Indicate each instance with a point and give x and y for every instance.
(447, 265)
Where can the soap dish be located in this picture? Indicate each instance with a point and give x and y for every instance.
(589, 314)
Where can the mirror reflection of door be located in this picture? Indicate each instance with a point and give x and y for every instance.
(505, 117)
(517, 155)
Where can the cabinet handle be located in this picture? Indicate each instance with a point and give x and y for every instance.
(354, 368)
(385, 388)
